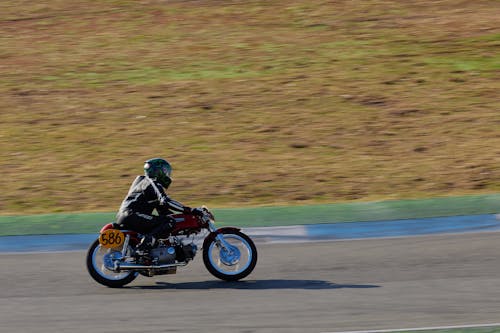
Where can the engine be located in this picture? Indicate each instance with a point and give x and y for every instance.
(166, 254)
(186, 252)
(164, 259)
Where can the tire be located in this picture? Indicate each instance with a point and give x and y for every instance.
(96, 269)
(224, 265)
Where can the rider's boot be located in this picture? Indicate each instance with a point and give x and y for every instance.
(147, 243)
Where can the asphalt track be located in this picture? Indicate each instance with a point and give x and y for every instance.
(334, 286)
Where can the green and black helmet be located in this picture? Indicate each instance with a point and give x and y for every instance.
(160, 170)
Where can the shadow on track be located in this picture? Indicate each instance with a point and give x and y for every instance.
(255, 285)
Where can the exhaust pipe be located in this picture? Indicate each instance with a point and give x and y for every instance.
(129, 266)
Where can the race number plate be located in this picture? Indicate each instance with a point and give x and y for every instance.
(111, 238)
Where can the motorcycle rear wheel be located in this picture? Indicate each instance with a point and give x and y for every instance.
(96, 256)
(231, 264)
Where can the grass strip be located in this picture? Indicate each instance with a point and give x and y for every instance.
(271, 216)
(270, 102)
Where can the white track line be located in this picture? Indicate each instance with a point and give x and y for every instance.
(421, 328)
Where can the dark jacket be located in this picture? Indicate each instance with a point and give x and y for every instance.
(146, 195)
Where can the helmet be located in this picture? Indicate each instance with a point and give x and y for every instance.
(160, 170)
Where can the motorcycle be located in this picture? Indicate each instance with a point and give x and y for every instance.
(114, 260)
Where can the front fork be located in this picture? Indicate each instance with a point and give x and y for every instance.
(229, 254)
(219, 238)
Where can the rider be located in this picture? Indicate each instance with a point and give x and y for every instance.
(146, 194)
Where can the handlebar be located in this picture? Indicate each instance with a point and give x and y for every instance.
(208, 217)
(206, 213)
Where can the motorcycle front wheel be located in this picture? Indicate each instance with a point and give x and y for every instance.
(98, 258)
(234, 259)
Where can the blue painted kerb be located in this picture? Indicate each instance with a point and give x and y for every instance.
(413, 227)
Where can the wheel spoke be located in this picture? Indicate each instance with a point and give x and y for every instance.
(234, 259)
(98, 259)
